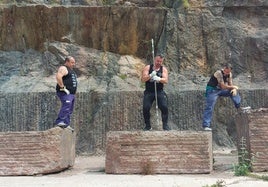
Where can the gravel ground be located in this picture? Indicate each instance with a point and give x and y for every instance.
(89, 171)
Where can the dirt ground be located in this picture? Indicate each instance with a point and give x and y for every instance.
(90, 171)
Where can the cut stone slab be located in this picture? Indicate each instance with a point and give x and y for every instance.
(158, 152)
(252, 135)
(36, 152)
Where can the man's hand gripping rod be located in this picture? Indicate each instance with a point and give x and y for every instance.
(155, 90)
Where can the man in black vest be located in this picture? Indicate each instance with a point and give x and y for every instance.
(66, 89)
(219, 85)
(155, 74)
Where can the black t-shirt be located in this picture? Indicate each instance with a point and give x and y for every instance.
(149, 85)
(69, 81)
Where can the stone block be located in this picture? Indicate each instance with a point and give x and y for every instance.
(158, 152)
(252, 132)
(36, 152)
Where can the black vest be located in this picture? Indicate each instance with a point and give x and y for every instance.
(213, 82)
(69, 81)
(149, 85)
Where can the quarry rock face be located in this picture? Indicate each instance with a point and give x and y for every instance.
(115, 29)
(199, 39)
(111, 45)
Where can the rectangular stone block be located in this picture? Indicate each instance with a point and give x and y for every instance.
(162, 152)
(36, 152)
(252, 127)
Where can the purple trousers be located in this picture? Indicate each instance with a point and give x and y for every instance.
(67, 106)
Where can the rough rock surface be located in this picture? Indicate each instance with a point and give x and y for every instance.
(111, 45)
(36, 152)
(158, 152)
(252, 137)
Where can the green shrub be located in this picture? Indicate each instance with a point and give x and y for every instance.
(244, 162)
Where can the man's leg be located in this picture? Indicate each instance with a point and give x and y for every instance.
(148, 99)
(72, 105)
(163, 106)
(66, 108)
(236, 99)
(211, 99)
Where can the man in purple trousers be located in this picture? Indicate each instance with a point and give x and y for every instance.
(66, 89)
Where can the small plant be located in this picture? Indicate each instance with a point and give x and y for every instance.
(244, 162)
(123, 76)
(185, 3)
(219, 183)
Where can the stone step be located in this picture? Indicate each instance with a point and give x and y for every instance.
(36, 152)
(160, 152)
(253, 132)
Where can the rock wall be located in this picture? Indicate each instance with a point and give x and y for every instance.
(198, 39)
(124, 31)
(111, 45)
(97, 113)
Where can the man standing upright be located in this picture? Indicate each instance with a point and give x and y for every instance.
(155, 74)
(66, 89)
(219, 85)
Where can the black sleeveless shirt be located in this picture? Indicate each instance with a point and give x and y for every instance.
(149, 85)
(69, 81)
(213, 82)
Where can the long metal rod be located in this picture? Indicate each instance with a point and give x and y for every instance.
(155, 89)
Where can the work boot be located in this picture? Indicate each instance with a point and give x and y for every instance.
(166, 128)
(207, 129)
(147, 128)
(62, 125)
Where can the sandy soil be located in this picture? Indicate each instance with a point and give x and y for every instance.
(89, 171)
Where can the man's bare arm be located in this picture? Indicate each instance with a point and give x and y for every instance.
(164, 78)
(62, 71)
(145, 74)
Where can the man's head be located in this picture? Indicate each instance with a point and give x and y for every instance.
(227, 69)
(158, 60)
(70, 62)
